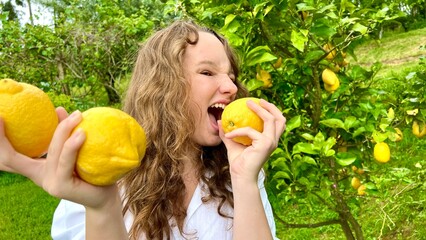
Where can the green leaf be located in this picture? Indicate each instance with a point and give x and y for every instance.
(258, 55)
(253, 84)
(358, 27)
(309, 160)
(329, 153)
(302, 147)
(293, 123)
(319, 138)
(358, 131)
(327, 147)
(345, 159)
(379, 137)
(333, 123)
(308, 136)
(229, 19)
(258, 8)
(281, 174)
(351, 122)
(280, 164)
(323, 31)
(313, 55)
(298, 39)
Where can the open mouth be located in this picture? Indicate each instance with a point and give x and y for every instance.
(216, 110)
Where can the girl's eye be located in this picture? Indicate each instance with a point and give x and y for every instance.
(207, 73)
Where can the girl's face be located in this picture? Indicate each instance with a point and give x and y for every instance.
(209, 71)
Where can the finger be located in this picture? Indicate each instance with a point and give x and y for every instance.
(279, 119)
(244, 132)
(268, 119)
(67, 160)
(225, 139)
(62, 133)
(62, 113)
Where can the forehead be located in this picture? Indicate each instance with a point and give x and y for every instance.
(208, 47)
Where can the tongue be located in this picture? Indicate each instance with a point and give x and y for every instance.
(213, 121)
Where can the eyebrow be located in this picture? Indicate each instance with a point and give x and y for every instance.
(208, 62)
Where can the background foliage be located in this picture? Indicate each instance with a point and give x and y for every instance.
(85, 57)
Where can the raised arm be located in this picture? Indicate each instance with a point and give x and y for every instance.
(56, 175)
(250, 220)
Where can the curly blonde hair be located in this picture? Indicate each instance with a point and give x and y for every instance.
(158, 98)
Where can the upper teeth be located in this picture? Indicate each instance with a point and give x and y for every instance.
(218, 105)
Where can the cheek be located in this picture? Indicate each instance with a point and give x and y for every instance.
(196, 111)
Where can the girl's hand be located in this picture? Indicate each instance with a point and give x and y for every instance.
(55, 174)
(246, 161)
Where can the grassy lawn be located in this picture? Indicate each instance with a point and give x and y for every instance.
(26, 210)
(397, 52)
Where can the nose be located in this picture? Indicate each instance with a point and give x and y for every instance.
(227, 86)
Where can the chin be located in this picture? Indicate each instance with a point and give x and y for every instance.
(212, 142)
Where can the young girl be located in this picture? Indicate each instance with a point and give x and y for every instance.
(194, 182)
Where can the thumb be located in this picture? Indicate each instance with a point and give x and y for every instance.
(222, 133)
(230, 144)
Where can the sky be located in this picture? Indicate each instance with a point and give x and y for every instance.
(41, 15)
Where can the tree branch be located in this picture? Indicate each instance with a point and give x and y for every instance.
(306, 225)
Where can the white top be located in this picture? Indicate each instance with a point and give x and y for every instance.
(202, 221)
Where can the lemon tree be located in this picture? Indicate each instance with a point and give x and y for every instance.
(296, 55)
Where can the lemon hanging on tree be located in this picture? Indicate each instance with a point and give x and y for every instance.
(381, 152)
(355, 183)
(29, 115)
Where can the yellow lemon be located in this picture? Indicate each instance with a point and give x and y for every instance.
(355, 182)
(329, 77)
(344, 63)
(382, 152)
(332, 88)
(278, 63)
(265, 77)
(115, 144)
(238, 115)
(29, 115)
(332, 54)
(362, 190)
(418, 131)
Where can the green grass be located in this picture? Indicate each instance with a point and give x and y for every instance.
(397, 52)
(26, 210)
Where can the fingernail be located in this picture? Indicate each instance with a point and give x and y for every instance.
(75, 114)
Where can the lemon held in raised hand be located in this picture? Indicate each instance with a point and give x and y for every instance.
(29, 115)
(115, 144)
(238, 115)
